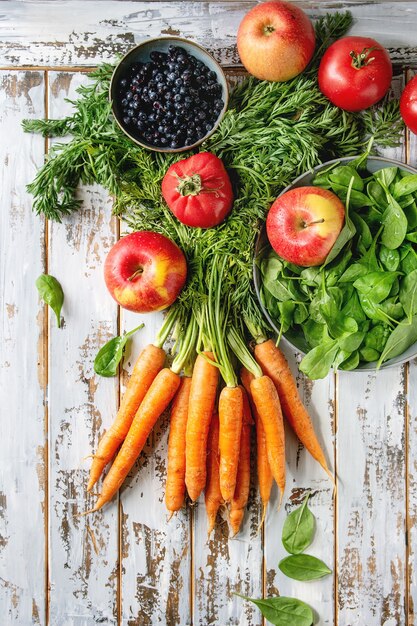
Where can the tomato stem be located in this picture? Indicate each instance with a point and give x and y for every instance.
(361, 59)
(193, 185)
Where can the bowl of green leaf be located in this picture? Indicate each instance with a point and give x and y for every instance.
(357, 311)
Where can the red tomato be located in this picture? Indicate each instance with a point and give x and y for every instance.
(198, 190)
(355, 72)
(408, 105)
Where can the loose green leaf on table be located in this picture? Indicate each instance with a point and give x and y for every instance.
(51, 292)
(283, 611)
(109, 356)
(303, 567)
(298, 529)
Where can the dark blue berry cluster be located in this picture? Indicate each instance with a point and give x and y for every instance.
(171, 101)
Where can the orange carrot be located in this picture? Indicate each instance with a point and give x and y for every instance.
(158, 397)
(266, 400)
(264, 471)
(241, 495)
(230, 419)
(213, 496)
(175, 483)
(200, 409)
(149, 363)
(274, 365)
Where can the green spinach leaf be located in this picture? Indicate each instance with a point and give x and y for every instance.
(108, 357)
(298, 529)
(401, 338)
(283, 611)
(405, 186)
(395, 225)
(408, 294)
(318, 362)
(376, 286)
(390, 259)
(51, 292)
(303, 567)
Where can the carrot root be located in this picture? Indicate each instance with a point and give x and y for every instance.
(230, 419)
(149, 363)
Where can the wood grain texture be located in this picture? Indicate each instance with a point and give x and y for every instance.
(73, 32)
(83, 555)
(23, 490)
(305, 474)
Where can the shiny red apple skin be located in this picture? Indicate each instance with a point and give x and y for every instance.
(145, 272)
(276, 41)
(303, 224)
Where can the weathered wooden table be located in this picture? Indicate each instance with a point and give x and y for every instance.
(128, 565)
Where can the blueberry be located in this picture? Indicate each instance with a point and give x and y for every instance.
(130, 113)
(123, 82)
(163, 141)
(172, 76)
(187, 76)
(126, 120)
(177, 97)
(176, 122)
(129, 95)
(152, 96)
(133, 104)
(151, 117)
(201, 115)
(178, 82)
(124, 102)
(142, 116)
(140, 125)
(174, 144)
(208, 127)
(157, 105)
(169, 115)
(189, 141)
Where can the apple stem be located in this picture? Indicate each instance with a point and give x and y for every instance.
(361, 59)
(136, 274)
(193, 185)
(268, 30)
(307, 224)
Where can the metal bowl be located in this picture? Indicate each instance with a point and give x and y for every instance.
(141, 53)
(373, 165)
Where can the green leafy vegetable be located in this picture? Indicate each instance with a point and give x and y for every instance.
(395, 225)
(283, 611)
(401, 338)
(298, 529)
(303, 567)
(51, 292)
(108, 357)
(408, 294)
(317, 363)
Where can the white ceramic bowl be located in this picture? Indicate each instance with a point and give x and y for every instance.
(373, 165)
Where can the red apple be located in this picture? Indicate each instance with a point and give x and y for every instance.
(145, 272)
(276, 41)
(303, 224)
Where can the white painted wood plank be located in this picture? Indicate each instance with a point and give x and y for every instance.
(73, 32)
(223, 565)
(305, 474)
(22, 359)
(156, 554)
(371, 494)
(412, 442)
(83, 557)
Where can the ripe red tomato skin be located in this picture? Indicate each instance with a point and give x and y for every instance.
(408, 105)
(349, 88)
(209, 206)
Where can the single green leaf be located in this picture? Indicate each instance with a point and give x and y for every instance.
(298, 529)
(412, 237)
(300, 313)
(408, 294)
(369, 354)
(283, 611)
(395, 225)
(351, 342)
(303, 567)
(405, 186)
(376, 193)
(363, 230)
(346, 234)
(353, 308)
(358, 199)
(376, 286)
(410, 211)
(109, 356)
(51, 292)
(351, 362)
(354, 271)
(343, 174)
(402, 337)
(386, 175)
(376, 337)
(390, 259)
(408, 258)
(317, 363)
(315, 333)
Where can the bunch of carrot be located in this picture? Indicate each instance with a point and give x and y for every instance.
(210, 423)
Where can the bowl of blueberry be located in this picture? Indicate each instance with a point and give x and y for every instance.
(168, 94)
